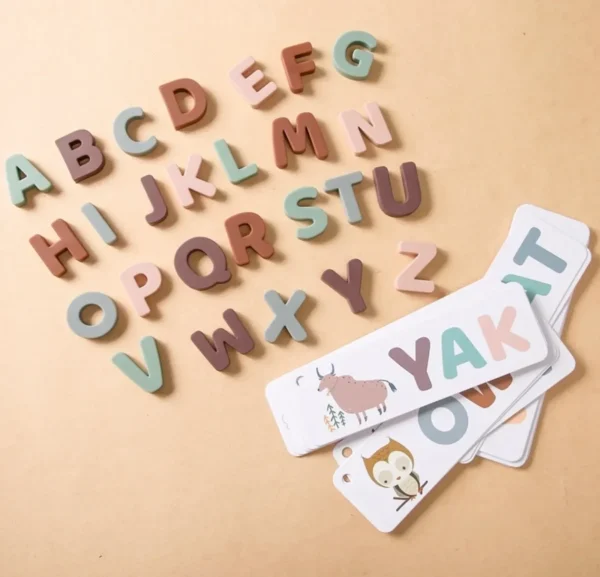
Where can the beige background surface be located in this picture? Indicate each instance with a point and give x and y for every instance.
(496, 102)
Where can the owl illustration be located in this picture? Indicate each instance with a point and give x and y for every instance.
(392, 466)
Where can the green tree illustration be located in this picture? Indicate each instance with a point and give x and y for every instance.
(342, 418)
(333, 417)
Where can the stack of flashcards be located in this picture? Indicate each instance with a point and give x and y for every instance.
(462, 376)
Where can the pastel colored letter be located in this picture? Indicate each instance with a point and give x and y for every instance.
(81, 155)
(375, 129)
(349, 288)
(139, 292)
(360, 64)
(345, 186)
(96, 299)
(483, 396)
(306, 127)
(443, 437)
(172, 90)
(530, 248)
(452, 338)
(22, 176)
(254, 239)
(49, 252)
(417, 367)
(245, 83)
(234, 172)
(385, 195)
(189, 180)
(219, 273)
(101, 226)
(407, 280)
(125, 142)
(532, 287)
(295, 70)
(149, 380)
(500, 335)
(217, 354)
(285, 316)
(159, 207)
(316, 215)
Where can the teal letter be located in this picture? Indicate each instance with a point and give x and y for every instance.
(451, 360)
(125, 142)
(360, 65)
(22, 176)
(345, 185)
(153, 379)
(234, 172)
(532, 287)
(317, 215)
(530, 248)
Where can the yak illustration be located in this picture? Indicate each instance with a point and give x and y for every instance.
(354, 396)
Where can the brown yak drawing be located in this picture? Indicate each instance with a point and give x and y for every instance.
(354, 396)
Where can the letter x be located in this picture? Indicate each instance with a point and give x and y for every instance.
(285, 316)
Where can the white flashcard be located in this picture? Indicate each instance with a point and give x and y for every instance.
(409, 364)
(390, 473)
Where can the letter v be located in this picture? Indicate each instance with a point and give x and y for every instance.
(150, 381)
(407, 280)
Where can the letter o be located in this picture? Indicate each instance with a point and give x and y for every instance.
(456, 433)
(108, 322)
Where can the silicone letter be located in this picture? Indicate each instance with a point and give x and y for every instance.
(285, 316)
(234, 172)
(456, 433)
(150, 380)
(189, 181)
(81, 155)
(217, 354)
(532, 287)
(375, 129)
(362, 60)
(68, 242)
(496, 336)
(349, 289)
(313, 213)
(345, 185)
(22, 176)
(100, 300)
(529, 247)
(450, 338)
(181, 118)
(407, 280)
(159, 207)
(125, 142)
(255, 239)
(294, 70)
(306, 126)
(245, 84)
(138, 293)
(107, 234)
(385, 196)
(417, 367)
(219, 273)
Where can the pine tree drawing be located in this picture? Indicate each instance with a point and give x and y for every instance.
(342, 418)
(328, 423)
(333, 417)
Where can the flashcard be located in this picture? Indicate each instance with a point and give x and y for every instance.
(389, 475)
(408, 364)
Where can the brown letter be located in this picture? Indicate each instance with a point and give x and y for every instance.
(68, 242)
(213, 251)
(255, 239)
(81, 155)
(159, 207)
(349, 289)
(385, 196)
(284, 131)
(294, 70)
(181, 118)
(485, 397)
(217, 354)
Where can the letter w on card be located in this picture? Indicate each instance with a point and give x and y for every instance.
(410, 363)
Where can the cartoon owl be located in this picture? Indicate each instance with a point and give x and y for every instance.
(393, 466)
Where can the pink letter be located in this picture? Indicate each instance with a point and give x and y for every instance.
(189, 181)
(245, 84)
(407, 280)
(495, 336)
(138, 293)
(376, 130)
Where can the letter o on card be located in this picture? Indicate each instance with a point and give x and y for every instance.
(108, 322)
(461, 422)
